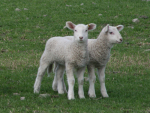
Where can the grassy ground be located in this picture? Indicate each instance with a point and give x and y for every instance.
(23, 35)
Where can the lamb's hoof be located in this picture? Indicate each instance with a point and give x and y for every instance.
(61, 92)
(71, 97)
(54, 88)
(105, 95)
(82, 97)
(92, 95)
(36, 91)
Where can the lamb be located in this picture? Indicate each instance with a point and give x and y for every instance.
(69, 54)
(99, 52)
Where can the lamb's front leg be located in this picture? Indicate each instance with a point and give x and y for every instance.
(80, 75)
(101, 74)
(92, 78)
(71, 81)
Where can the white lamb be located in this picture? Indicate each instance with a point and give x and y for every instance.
(99, 53)
(68, 54)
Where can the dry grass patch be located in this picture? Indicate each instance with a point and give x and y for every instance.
(29, 60)
(119, 61)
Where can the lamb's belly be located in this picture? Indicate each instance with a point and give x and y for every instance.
(60, 60)
(97, 64)
(81, 63)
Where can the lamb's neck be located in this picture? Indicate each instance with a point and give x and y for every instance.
(101, 48)
(79, 50)
(103, 42)
(80, 45)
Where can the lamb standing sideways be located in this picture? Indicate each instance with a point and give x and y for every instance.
(99, 53)
(68, 54)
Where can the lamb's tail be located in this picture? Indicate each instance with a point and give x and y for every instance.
(49, 69)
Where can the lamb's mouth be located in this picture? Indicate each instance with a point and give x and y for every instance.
(119, 41)
(81, 40)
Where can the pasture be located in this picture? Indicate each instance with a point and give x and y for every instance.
(25, 26)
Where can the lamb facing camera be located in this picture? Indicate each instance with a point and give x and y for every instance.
(69, 54)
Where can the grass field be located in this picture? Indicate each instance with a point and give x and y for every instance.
(24, 32)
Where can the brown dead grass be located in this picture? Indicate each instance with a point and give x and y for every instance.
(29, 60)
(129, 60)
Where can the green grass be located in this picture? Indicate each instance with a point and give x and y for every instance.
(23, 35)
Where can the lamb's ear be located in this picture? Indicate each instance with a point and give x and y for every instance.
(91, 26)
(107, 28)
(120, 27)
(70, 25)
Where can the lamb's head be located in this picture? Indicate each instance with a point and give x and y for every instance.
(80, 30)
(113, 34)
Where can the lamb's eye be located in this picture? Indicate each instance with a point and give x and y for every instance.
(111, 33)
(75, 30)
(85, 30)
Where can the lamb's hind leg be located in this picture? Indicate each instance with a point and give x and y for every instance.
(60, 80)
(41, 70)
(54, 85)
(80, 75)
(92, 78)
(101, 74)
